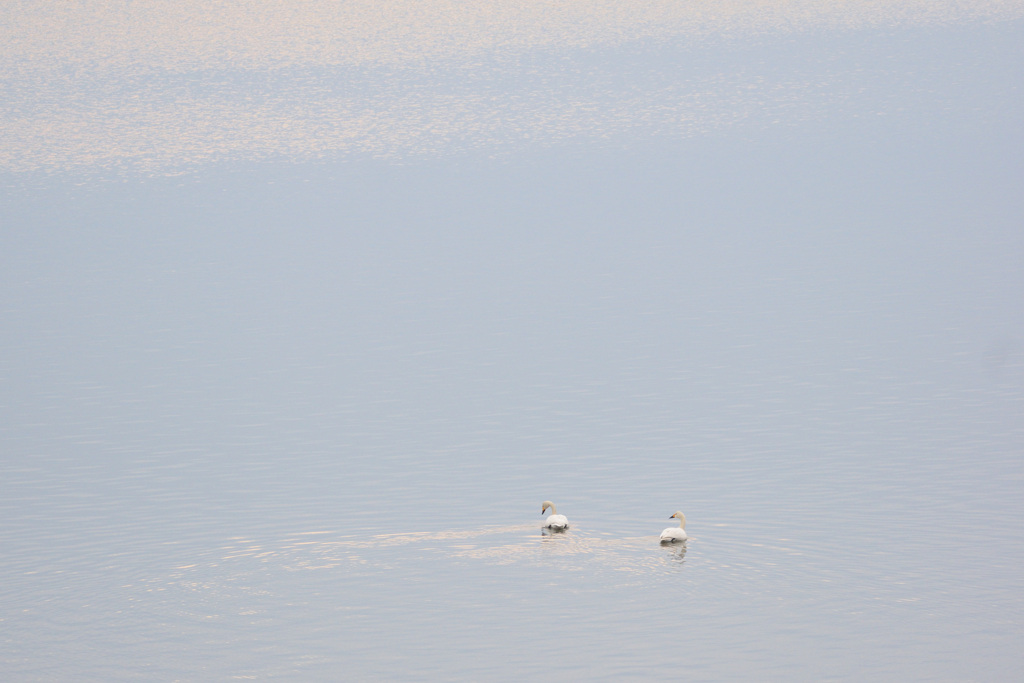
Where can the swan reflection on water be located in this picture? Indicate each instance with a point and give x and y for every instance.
(675, 551)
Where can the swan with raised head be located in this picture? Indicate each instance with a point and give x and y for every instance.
(672, 534)
(555, 521)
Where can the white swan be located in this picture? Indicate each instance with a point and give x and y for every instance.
(672, 534)
(555, 521)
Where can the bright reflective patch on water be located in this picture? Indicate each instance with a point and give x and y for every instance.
(172, 87)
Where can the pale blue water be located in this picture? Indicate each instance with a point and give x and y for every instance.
(295, 420)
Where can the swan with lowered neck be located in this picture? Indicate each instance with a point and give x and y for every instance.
(672, 534)
(555, 521)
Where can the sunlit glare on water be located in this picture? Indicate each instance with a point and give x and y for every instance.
(166, 86)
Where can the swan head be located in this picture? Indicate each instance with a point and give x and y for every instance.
(548, 504)
(681, 517)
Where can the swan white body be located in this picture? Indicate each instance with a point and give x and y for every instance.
(675, 534)
(555, 521)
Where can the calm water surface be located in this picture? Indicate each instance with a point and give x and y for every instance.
(292, 418)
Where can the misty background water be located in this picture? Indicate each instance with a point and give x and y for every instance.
(268, 413)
